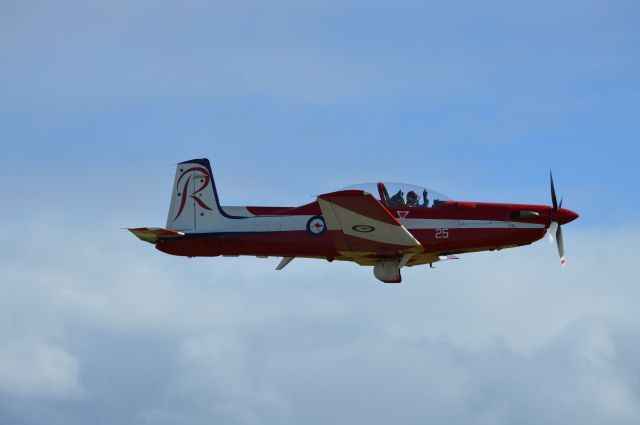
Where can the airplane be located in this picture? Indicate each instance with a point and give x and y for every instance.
(363, 224)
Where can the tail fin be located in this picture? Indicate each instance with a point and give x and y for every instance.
(194, 202)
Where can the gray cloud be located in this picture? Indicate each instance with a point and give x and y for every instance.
(119, 332)
(35, 369)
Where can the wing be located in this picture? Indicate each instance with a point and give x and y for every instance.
(154, 234)
(362, 228)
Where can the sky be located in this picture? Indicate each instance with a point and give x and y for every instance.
(291, 99)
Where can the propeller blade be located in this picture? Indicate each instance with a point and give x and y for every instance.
(553, 192)
(560, 243)
(553, 229)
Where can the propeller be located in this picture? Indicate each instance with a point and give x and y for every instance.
(555, 230)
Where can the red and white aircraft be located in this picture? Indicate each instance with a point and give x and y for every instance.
(414, 226)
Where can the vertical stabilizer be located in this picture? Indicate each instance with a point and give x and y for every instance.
(194, 200)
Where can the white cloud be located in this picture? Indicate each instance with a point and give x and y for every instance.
(35, 369)
(131, 333)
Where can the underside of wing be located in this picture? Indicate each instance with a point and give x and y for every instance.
(363, 229)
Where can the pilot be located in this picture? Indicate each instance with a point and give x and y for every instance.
(412, 199)
(397, 200)
(425, 198)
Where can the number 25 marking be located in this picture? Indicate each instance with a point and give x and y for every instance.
(442, 233)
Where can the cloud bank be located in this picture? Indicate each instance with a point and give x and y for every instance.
(119, 332)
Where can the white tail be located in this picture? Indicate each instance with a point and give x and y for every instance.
(194, 201)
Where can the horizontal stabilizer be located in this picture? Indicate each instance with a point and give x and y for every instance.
(154, 234)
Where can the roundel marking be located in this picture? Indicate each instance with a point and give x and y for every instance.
(316, 225)
(363, 228)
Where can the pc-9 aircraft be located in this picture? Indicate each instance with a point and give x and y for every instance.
(387, 226)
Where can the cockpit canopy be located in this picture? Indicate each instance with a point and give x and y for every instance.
(402, 194)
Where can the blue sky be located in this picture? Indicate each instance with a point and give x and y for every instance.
(290, 99)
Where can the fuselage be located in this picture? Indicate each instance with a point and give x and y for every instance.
(451, 227)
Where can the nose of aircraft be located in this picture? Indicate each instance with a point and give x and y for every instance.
(564, 216)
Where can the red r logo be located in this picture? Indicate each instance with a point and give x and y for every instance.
(205, 182)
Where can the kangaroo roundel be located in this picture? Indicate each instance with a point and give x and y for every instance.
(316, 225)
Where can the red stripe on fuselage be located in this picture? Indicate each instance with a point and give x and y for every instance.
(308, 209)
(280, 244)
